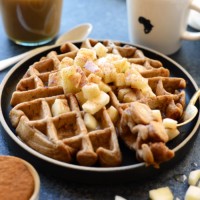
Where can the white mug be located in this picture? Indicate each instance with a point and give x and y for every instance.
(160, 24)
(194, 17)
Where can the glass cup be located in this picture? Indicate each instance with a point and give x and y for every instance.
(31, 22)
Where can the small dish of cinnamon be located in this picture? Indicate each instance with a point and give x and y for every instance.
(18, 179)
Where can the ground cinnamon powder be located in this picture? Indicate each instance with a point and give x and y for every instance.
(16, 181)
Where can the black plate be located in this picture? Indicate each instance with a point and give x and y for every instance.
(131, 169)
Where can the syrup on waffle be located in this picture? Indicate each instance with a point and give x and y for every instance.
(74, 105)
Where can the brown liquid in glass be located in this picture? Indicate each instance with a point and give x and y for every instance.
(31, 21)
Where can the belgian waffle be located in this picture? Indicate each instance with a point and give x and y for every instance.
(66, 137)
(143, 132)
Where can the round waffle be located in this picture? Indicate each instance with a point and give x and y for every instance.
(67, 135)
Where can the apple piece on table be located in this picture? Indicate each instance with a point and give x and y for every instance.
(194, 177)
(163, 193)
(192, 193)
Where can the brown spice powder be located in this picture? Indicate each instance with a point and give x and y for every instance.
(16, 181)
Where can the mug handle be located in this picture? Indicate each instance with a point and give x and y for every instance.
(187, 35)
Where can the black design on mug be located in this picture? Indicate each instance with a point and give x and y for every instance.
(147, 24)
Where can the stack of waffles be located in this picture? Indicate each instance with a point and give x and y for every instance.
(76, 104)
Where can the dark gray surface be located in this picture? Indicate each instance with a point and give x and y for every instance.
(109, 20)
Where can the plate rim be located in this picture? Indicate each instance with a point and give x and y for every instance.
(78, 167)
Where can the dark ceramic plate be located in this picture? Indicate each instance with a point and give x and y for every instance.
(130, 169)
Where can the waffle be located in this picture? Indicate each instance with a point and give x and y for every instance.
(142, 131)
(88, 130)
(65, 136)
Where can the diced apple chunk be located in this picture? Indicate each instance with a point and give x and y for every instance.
(70, 80)
(66, 62)
(91, 67)
(107, 78)
(104, 87)
(90, 91)
(59, 107)
(193, 193)
(83, 56)
(170, 123)
(171, 128)
(129, 77)
(94, 78)
(100, 49)
(138, 82)
(113, 113)
(157, 115)
(194, 177)
(109, 75)
(163, 193)
(111, 58)
(129, 97)
(138, 67)
(172, 133)
(120, 79)
(90, 121)
(121, 65)
(123, 92)
(94, 105)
